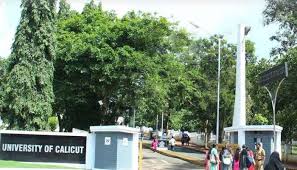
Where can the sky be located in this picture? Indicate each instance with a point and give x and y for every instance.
(212, 16)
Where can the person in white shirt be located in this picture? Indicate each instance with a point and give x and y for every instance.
(172, 143)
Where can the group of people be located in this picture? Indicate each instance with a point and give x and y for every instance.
(155, 142)
(242, 159)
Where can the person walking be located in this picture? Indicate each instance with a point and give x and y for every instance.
(214, 158)
(155, 144)
(243, 159)
(220, 166)
(274, 162)
(251, 157)
(207, 160)
(236, 159)
(226, 158)
(259, 157)
(172, 143)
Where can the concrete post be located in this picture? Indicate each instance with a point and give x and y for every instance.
(90, 151)
(239, 117)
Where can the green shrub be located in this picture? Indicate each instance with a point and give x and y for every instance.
(53, 122)
(259, 119)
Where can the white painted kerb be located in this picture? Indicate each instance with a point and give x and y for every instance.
(253, 128)
(113, 129)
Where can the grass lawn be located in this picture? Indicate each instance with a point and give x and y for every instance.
(16, 164)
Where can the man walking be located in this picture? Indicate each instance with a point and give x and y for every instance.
(260, 157)
(172, 143)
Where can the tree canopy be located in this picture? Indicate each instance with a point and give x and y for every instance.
(91, 67)
(284, 14)
(109, 66)
(28, 86)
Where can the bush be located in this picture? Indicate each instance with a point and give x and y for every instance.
(221, 145)
(259, 119)
(53, 122)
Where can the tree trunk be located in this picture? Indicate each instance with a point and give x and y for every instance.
(206, 135)
(167, 122)
(59, 122)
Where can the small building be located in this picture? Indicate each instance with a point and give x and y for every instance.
(252, 134)
(112, 147)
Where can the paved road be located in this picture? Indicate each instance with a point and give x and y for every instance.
(156, 161)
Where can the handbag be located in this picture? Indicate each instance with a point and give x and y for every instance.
(213, 160)
(227, 160)
(249, 161)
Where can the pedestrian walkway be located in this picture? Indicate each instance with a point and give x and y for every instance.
(183, 153)
(155, 161)
(196, 154)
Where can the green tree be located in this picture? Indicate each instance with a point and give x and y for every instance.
(202, 69)
(28, 85)
(284, 14)
(3, 65)
(109, 66)
(258, 98)
(287, 102)
(64, 9)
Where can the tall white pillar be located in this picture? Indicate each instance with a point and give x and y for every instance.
(239, 116)
(241, 137)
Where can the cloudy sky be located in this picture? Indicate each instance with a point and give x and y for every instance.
(213, 16)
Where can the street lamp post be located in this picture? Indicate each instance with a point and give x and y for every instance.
(218, 91)
(134, 117)
(162, 123)
(218, 79)
(157, 123)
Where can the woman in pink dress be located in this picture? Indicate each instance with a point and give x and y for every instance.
(206, 161)
(236, 159)
(155, 144)
(251, 154)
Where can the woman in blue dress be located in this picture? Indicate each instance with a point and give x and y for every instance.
(214, 158)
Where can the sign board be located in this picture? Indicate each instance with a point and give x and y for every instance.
(43, 148)
(107, 140)
(276, 73)
(125, 141)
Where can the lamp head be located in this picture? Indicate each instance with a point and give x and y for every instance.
(247, 30)
(194, 25)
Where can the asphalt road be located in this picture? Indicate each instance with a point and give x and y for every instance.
(156, 161)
